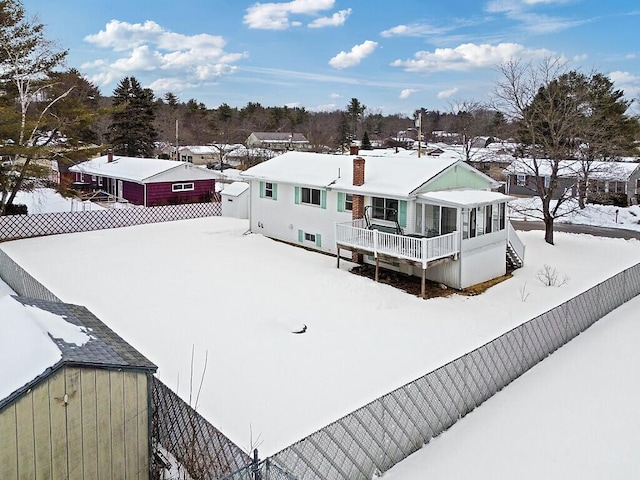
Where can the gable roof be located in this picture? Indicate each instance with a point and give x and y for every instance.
(392, 175)
(140, 170)
(42, 336)
(280, 137)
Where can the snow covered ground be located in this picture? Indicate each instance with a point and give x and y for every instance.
(597, 215)
(47, 200)
(235, 299)
(575, 415)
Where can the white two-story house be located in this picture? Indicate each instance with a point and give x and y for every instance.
(435, 217)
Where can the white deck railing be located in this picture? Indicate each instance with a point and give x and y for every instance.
(418, 249)
(515, 241)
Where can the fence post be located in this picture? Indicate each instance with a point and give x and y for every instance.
(255, 465)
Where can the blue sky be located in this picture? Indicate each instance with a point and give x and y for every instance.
(394, 57)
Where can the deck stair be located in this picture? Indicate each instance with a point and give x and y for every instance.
(515, 248)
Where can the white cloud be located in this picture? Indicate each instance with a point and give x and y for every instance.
(467, 57)
(407, 92)
(580, 58)
(328, 107)
(335, 95)
(447, 93)
(628, 82)
(148, 47)
(275, 16)
(335, 20)
(520, 11)
(355, 56)
(631, 56)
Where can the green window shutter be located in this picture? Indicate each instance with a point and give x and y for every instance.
(318, 240)
(261, 189)
(297, 195)
(275, 191)
(340, 201)
(323, 199)
(300, 236)
(402, 214)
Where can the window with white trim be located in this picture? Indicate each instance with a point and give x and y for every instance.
(521, 180)
(182, 187)
(310, 196)
(310, 237)
(268, 189)
(384, 209)
(348, 202)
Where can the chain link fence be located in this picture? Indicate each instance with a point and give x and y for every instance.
(375, 437)
(14, 227)
(194, 445)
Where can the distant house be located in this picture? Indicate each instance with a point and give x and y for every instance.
(145, 181)
(74, 396)
(205, 154)
(606, 180)
(434, 217)
(277, 141)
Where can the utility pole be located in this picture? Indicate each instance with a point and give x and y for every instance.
(419, 133)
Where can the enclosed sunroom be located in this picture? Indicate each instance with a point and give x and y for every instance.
(455, 237)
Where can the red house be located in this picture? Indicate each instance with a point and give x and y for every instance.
(145, 181)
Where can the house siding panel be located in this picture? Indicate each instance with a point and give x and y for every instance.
(134, 192)
(160, 193)
(457, 177)
(41, 435)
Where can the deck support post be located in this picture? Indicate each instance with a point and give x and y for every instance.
(338, 258)
(423, 288)
(377, 267)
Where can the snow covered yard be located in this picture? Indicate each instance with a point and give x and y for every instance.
(204, 285)
(598, 215)
(575, 415)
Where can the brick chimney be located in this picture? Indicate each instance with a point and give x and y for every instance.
(358, 171)
(357, 209)
(358, 179)
(110, 156)
(354, 150)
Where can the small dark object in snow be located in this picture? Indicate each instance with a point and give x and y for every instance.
(302, 330)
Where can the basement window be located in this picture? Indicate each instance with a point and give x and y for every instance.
(182, 187)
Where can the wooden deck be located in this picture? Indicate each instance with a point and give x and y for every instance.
(409, 249)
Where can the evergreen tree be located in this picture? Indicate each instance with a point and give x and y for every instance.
(132, 132)
(366, 143)
(343, 133)
(355, 109)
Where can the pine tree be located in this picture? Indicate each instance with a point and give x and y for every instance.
(366, 143)
(132, 132)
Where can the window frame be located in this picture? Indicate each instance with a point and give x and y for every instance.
(386, 209)
(182, 187)
(268, 190)
(310, 194)
(348, 202)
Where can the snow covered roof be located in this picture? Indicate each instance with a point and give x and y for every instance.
(141, 170)
(235, 189)
(616, 171)
(280, 137)
(465, 198)
(39, 336)
(394, 175)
